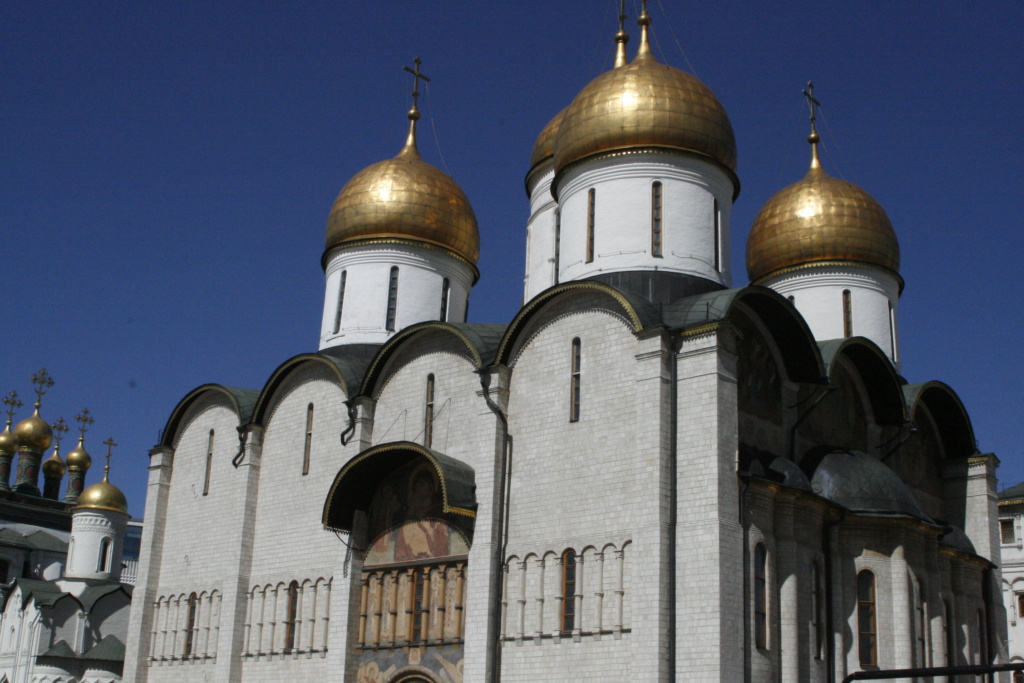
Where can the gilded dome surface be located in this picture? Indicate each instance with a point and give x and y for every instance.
(8, 444)
(103, 496)
(408, 199)
(33, 434)
(820, 218)
(645, 104)
(54, 467)
(79, 458)
(545, 145)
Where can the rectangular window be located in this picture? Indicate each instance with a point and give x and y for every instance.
(445, 286)
(292, 620)
(847, 314)
(591, 197)
(816, 617)
(922, 625)
(341, 302)
(190, 631)
(656, 219)
(309, 439)
(209, 464)
(558, 242)
(392, 299)
(568, 591)
(420, 606)
(718, 237)
(760, 596)
(574, 389)
(866, 619)
(428, 415)
(950, 634)
(1007, 532)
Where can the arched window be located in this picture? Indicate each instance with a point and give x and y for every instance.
(428, 414)
(392, 299)
(568, 591)
(445, 287)
(792, 299)
(574, 389)
(949, 633)
(656, 219)
(209, 464)
(341, 302)
(717, 218)
(761, 596)
(847, 313)
(309, 439)
(190, 632)
(103, 561)
(868, 633)
(817, 619)
(292, 620)
(591, 201)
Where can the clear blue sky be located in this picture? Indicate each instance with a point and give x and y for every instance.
(166, 171)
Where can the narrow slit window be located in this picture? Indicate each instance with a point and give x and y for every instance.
(568, 590)
(558, 241)
(445, 288)
(949, 632)
(847, 314)
(428, 414)
(574, 388)
(922, 624)
(591, 201)
(190, 632)
(292, 620)
(792, 299)
(868, 633)
(982, 638)
(761, 596)
(341, 302)
(656, 207)
(1020, 605)
(717, 218)
(392, 299)
(103, 561)
(816, 614)
(209, 464)
(892, 333)
(309, 439)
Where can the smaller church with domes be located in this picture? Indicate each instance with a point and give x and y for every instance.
(648, 474)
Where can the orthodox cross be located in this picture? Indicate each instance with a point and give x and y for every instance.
(416, 80)
(12, 403)
(84, 419)
(59, 429)
(43, 381)
(109, 443)
(812, 103)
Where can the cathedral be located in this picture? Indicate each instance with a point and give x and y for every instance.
(645, 475)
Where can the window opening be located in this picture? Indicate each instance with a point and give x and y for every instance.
(190, 633)
(866, 619)
(982, 638)
(309, 439)
(1020, 605)
(760, 596)
(341, 302)
(574, 390)
(591, 197)
(292, 622)
(558, 241)
(847, 314)
(792, 299)
(922, 633)
(949, 633)
(568, 591)
(445, 286)
(656, 219)
(892, 332)
(818, 626)
(1006, 531)
(392, 299)
(428, 415)
(420, 606)
(209, 464)
(103, 561)
(718, 237)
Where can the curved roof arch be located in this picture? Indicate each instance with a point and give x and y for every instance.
(242, 400)
(355, 483)
(346, 369)
(478, 340)
(877, 374)
(951, 417)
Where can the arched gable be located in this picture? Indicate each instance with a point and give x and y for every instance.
(475, 341)
(241, 401)
(638, 313)
(951, 418)
(348, 371)
(876, 373)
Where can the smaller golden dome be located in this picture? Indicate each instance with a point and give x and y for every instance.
(8, 443)
(79, 458)
(33, 434)
(544, 148)
(54, 467)
(103, 496)
(818, 219)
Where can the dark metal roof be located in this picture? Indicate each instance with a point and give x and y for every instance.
(242, 400)
(860, 483)
(1012, 493)
(880, 378)
(37, 540)
(955, 538)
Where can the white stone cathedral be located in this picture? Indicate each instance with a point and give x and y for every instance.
(646, 475)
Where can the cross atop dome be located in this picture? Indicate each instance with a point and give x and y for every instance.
(813, 138)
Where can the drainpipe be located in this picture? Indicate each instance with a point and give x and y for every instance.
(501, 520)
(830, 642)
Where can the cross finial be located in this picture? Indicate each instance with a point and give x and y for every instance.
(644, 51)
(84, 419)
(621, 38)
(59, 428)
(12, 404)
(43, 381)
(109, 443)
(813, 138)
(417, 75)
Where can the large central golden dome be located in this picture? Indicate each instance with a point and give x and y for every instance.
(645, 104)
(405, 199)
(818, 219)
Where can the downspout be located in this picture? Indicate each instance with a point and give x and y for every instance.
(830, 642)
(351, 428)
(501, 521)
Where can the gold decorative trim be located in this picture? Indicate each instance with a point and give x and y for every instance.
(829, 263)
(389, 239)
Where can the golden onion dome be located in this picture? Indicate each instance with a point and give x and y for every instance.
(645, 105)
(33, 434)
(405, 199)
(54, 467)
(8, 443)
(544, 148)
(819, 219)
(79, 458)
(103, 496)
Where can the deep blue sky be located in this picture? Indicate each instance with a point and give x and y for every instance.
(166, 171)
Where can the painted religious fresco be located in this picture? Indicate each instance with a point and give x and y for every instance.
(442, 664)
(407, 523)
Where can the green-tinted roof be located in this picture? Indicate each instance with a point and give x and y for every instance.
(1012, 493)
